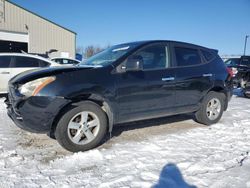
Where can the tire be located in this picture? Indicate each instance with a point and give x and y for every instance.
(74, 129)
(206, 116)
(247, 95)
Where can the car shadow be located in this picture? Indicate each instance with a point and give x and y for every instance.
(171, 177)
(120, 128)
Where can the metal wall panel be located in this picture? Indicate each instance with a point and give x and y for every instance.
(43, 34)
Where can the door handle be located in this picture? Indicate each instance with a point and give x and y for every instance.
(4, 72)
(207, 75)
(168, 79)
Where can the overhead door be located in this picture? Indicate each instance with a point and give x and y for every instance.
(13, 42)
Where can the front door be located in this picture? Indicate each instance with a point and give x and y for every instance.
(148, 93)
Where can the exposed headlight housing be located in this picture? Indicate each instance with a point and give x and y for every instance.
(33, 87)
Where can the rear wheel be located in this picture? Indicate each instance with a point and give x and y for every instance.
(211, 109)
(246, 95)
(82, 128)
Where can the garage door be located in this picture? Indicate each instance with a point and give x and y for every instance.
(13, 42)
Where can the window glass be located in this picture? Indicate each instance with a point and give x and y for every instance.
(43, 63)
(232, 61)
(65, 61)
(57, 61)
(245, 61)
(73, 62)
(109, 55)
(208, 56)
(5, 61)
(187, 56)
(22, 62)
(154, 57)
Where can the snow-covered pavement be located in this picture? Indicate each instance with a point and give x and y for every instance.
(167, 152)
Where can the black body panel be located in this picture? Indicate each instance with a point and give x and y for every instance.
(130, 96)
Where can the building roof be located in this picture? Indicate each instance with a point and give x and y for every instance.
(41, 17)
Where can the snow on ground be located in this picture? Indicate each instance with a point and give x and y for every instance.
(168, 152)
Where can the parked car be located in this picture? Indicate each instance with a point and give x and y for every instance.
(12, 64)
(241, 73)
(66, 61)
(125, 83)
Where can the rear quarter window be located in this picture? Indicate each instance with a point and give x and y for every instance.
(5, 61)
(207, 55)
(187, 56)
(43, 63)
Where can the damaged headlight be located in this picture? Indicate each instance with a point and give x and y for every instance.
(33, 87)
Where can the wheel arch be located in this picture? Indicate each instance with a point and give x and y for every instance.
(220, 89)
(76, 101)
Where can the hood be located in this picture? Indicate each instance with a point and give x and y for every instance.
(43, 72)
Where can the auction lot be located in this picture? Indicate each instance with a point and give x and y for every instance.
(138, 155)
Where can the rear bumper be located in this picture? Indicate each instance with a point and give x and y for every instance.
(229, 94)
(34, 114)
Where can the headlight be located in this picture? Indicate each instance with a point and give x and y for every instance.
(32, 88)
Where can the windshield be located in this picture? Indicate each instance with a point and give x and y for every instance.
(109, 55)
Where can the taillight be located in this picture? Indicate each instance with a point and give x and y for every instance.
(235, 71)
(230, 72)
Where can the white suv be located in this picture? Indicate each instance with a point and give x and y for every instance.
(12, 64)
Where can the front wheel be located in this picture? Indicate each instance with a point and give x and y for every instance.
(211, 109)
(82, 128)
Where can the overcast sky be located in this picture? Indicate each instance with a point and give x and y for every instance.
(220, 24)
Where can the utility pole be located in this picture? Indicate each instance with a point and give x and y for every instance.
(245, 44)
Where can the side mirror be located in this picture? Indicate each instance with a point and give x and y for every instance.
(134, 63)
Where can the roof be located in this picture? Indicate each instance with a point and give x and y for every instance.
(41, 17)
(171, 41)
(29, 55)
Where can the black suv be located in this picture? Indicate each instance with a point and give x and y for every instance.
(127, 82)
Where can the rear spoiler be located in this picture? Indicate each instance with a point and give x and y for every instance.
(214, 51)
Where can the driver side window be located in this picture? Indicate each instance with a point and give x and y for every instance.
(154, 56)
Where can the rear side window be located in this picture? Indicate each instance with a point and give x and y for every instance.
(207, 55)
(5, 61)
(73, 62)
(65, 61)
(26, 62)
(43, 63)
(58, 61)
(245, 61)
(187, 56)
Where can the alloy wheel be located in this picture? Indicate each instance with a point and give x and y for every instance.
(83, 128)
(213, 109)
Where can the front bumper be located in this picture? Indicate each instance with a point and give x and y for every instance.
(34, 114)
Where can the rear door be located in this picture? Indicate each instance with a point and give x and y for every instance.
(22, 63)
(193, 77)
(4, 72)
